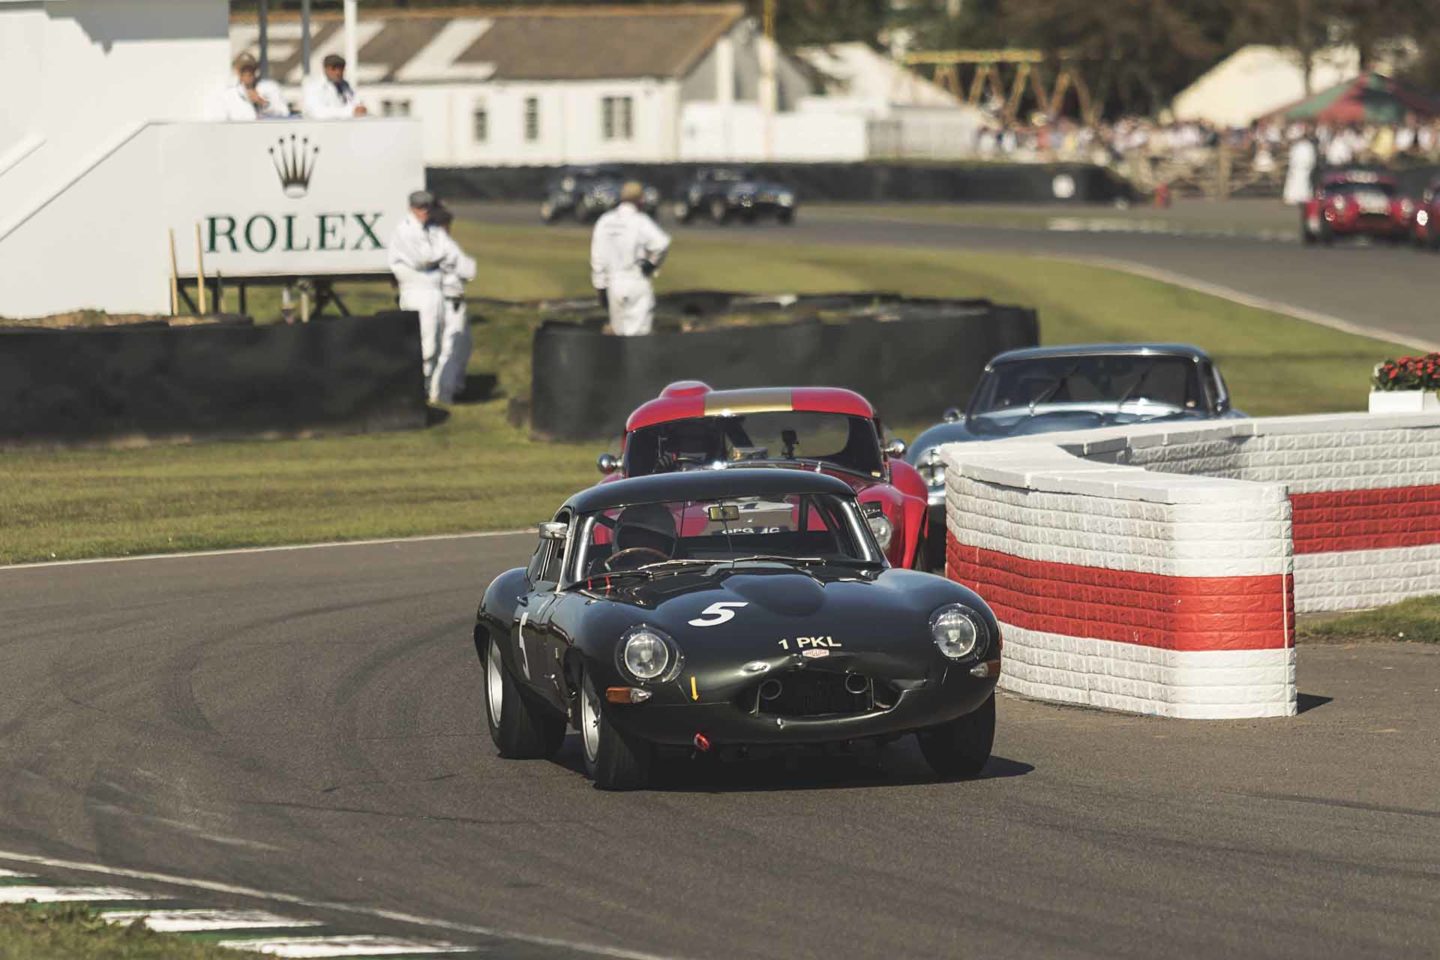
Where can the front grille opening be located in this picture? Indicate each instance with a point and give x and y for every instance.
(814, 693)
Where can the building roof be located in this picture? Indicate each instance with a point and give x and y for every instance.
(691, 400)
(457, 44)
(706, 485)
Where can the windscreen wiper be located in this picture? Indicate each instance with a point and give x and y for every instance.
(1053, 389)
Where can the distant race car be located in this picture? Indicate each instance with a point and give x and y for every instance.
(1425, 225)
(725, 609)
(722, 193)
(1048, 389)
(1356, 203)
(826, 429)
(586, 192)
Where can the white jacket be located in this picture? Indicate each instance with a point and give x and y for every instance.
(324, 101)
(623, 239)
(458, 268)
(419, 255)
(230, 103)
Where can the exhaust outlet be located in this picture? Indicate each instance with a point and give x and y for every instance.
(771, 689)
(856, 684)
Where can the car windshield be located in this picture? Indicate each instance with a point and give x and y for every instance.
(1129, 382)
(674, 535)
(731, 176)
(847, 442)
(1351, 187)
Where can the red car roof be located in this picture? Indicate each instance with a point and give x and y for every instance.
(691, 399)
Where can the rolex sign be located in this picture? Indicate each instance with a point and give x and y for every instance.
(290, 198)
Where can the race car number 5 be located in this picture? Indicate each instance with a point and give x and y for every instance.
(717, 613)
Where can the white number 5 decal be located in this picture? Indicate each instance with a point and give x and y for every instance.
(718, 613)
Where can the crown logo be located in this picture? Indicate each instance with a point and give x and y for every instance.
(295, 164)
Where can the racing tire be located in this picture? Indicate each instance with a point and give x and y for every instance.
(684, 213)
(961, 748)
(613, 760)
(521, 729)
(548, 213)
(1327, 234)
(719, 210)
(1306, 236)
(785, 217)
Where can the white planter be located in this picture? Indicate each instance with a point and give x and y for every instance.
(1404, 401)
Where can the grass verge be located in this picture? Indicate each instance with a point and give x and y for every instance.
(477, 472)
(78, 933)
(1415, 620)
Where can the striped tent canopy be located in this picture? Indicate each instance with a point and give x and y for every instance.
(1369, 98)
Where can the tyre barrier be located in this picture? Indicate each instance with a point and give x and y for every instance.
(912, 358)
(226, 380)
(1158, 569)
(1071, 183)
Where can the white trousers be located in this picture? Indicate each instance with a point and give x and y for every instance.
(632, 307)
(430, 304)
(455, 346)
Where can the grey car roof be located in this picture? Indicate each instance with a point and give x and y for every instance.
(706, 485)
(1102, 350)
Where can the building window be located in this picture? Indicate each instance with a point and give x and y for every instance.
(482, 122)
(617, 118)
(395, 108)
(532, 119)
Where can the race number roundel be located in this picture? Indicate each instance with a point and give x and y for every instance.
(722, 611)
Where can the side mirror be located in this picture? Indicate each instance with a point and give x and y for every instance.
(608, 463)
(554, 530)
(895, 449)
(952, 415)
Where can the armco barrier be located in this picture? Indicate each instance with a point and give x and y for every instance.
(210, 381)
(1157, 569)
(927, 356)
(1075, 183)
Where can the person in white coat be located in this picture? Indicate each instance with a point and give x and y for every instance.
(1303, 156)
(625, 251)
(455, 343)
(331, 97)
(418, 257)
(248, 97)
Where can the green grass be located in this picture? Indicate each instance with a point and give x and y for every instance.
(77, 933)
(476, 471)
(1415, 620)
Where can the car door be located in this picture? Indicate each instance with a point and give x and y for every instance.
(532, 625)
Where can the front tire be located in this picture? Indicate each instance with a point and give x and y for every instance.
(961, 748)
(548, 212)
(521, 730)
(613, 760)
(719, 210)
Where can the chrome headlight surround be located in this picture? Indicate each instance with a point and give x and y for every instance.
(959, 631)
(647, 654)
(883, 530)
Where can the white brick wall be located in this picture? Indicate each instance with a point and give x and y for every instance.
(1185, 501)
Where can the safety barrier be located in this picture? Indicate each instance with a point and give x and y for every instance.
(210, 381)
(911, 357)
(1157, 569)
(1075, 183)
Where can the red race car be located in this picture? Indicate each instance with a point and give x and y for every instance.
(825, 429)
(1356, 203)
(1426, 229)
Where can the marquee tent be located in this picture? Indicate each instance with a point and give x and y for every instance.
(1369, 98)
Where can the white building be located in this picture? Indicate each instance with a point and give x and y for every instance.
(561, 84)
(1256, 80)
(104, 158)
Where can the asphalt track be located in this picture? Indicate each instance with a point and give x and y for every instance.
(309, 722)
(1391, 291)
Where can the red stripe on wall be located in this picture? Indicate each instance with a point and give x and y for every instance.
(1365, 519)
(1152, 610)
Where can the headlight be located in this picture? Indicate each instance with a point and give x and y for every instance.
(651, 195)
(883, 529)
(957, 630)
(786, 199)
(567, 184)
(647, 654)
(1339, 204)
(1407, 207)
(1422, 217)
